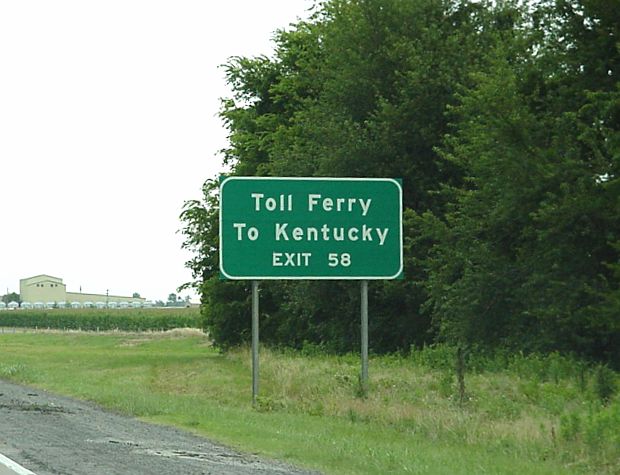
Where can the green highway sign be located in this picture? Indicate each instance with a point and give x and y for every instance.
(310, 228)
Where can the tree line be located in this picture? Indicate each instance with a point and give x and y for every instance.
(501, 118)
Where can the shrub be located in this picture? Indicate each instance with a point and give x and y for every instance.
(604, 383)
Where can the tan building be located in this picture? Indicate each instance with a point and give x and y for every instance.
(45, 288)
(42, 288)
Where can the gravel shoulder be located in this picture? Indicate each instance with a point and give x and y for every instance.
(53, 435)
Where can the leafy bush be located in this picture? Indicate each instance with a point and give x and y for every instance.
(601, 427)
(604, 383)
(596, 429)
(434, 356)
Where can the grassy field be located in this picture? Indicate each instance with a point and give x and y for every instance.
(518, 415)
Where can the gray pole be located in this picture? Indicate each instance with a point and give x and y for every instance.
(364, 299)
(254, 341)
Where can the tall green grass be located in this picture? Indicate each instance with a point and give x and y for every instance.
(520, 414)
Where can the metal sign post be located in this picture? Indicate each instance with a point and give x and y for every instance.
(254, 341)
(364, 312)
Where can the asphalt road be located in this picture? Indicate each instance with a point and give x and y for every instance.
(54, 435)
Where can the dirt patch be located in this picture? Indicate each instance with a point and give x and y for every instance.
(174, 334)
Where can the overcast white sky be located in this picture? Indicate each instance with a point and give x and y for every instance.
(107, 125)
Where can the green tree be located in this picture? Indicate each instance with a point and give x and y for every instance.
(503, 122)
(525, 254)
(360, 89)
(11, 297)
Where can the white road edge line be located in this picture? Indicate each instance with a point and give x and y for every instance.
(17, 468)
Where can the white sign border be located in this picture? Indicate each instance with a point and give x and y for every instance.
(395, 181)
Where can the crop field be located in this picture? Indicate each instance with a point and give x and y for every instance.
(130, 319)
(503, 415)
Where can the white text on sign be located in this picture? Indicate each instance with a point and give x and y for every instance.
(284, 202)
